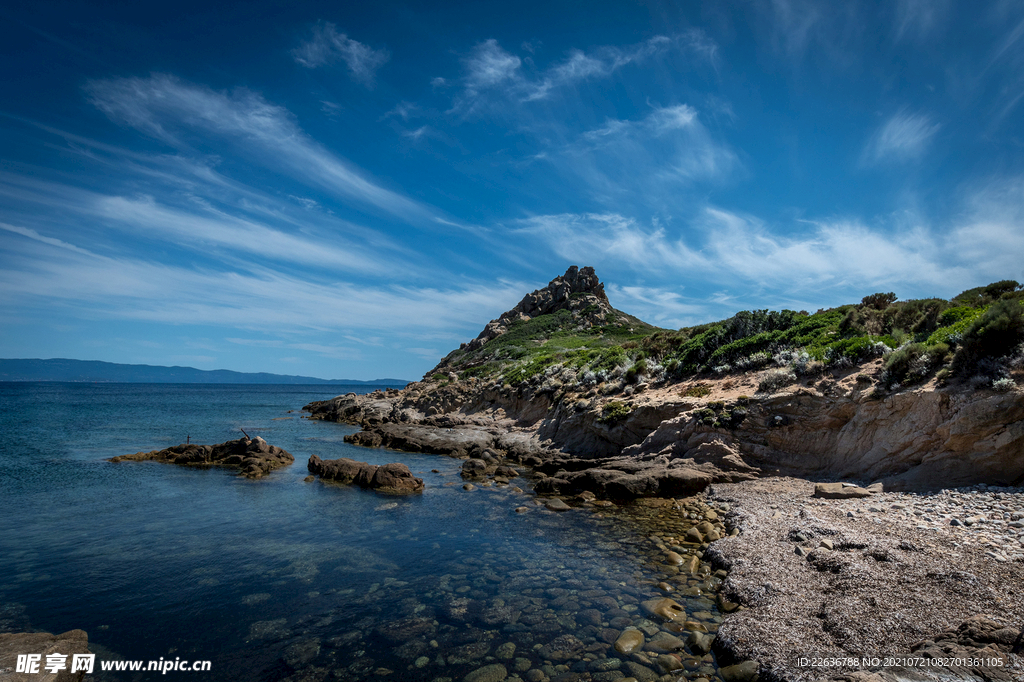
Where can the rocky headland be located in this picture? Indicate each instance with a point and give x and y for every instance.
(909, 403)
(253, 457)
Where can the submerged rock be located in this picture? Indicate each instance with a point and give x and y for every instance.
(391, 478)
(253, 456)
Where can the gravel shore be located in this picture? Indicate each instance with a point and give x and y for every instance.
(884, 575)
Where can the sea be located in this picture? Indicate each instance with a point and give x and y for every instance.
(286, 579)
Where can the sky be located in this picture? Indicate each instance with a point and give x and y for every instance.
(350, 190)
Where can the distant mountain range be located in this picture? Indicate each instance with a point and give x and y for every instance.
(60, 369)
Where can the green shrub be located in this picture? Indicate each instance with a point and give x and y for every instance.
(609, 358)
(614, 411)
(993, 334)
(696, 391)
(980, 296)
(634, 373)
(878, 301)
(913, 362)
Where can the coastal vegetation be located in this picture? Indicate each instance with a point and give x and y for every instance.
(976, 336)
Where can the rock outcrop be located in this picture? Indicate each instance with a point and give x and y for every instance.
(390, 478)
(43, 643)
(254, 457)
(578, 290)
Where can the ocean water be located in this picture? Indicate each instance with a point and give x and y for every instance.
(280, 579)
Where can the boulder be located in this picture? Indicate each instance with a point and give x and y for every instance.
(839, 491)
(390, 478)
(629, 641)
(741, 672)
(665, 608)
(396, 478)
(474, 468)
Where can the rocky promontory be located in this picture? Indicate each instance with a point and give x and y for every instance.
(254, 457)
(390, 478)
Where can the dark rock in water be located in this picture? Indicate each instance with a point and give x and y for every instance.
(656, 480)
(741, 672)
(562, 648)
(68, 644)
(390, 478)
(301, 653)
(489, 673)
(556, 504)
(253, 456)
(405, 629)
(474, 468)
(368, 439)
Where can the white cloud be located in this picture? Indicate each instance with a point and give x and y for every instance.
(601, 239)
(327, 46)
(904, 137)
(128, 288)
(725, 248)
(32, 234)
(169, 109)
(199, 225)
(144, 215)
(653, 155)
(489, 65)
(658, 306)
(417, 133)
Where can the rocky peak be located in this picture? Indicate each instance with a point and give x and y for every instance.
(578, 290)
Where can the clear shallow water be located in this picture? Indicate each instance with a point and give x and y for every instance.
(280, 579)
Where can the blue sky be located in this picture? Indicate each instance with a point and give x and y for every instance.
(352, 189)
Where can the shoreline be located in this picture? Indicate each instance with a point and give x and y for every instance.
(870, 566)
(889, 586)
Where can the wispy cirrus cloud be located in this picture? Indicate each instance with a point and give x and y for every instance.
(328, 46)
(489, 67)
(174, 111)
(136, 288)
(200, 225)
(611, 239)
(668, 148)
(904, 137)
(659, 306)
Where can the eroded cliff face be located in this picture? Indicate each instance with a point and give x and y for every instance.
(916, 439)
(663, 443)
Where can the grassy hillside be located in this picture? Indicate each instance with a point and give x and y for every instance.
(977, 335)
